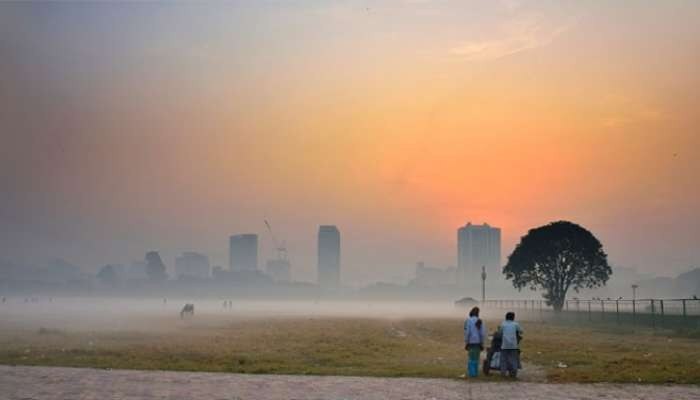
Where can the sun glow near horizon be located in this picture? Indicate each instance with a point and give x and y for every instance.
(398, 122)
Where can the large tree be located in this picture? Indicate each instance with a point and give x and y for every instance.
(558, 257)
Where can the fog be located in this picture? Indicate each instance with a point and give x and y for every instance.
(154, 315)
(136, 126)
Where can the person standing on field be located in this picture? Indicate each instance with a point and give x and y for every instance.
(511, 334)
(474, 336)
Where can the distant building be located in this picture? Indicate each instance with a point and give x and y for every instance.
(328, 256)
(155, 268)
(59, 270)
(192, 264)
(137, 271)
(120, 271)
(279, 270)
(429, 276)
(243, 252)
(477, 246)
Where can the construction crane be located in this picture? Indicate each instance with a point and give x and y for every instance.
(279, 246)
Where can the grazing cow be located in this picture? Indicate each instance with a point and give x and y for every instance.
(187, 309)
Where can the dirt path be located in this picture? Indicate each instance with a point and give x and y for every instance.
(43, 383)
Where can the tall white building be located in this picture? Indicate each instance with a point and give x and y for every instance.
(477, 246)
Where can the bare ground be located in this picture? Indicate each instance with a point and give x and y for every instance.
(47, 383)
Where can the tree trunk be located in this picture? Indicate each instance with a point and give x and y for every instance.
(557, 303)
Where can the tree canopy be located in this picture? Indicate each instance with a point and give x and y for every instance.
(558, 257)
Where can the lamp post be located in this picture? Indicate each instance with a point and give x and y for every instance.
(483, 284)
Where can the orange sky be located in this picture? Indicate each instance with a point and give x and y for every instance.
(128, 127)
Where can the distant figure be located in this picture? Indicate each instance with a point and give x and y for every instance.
(511, 334)
(187, 309)
(474, 335)
(165, 301)
(4, 299)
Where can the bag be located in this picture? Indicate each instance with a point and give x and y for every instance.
(496, 360)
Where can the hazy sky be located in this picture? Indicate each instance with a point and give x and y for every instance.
(127, 127)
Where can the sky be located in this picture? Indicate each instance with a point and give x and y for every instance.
(127, 127)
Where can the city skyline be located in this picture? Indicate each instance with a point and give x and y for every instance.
(134, 126)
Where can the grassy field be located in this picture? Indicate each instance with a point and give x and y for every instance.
(355, 346)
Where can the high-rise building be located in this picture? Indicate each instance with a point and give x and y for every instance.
(192, 264)
(328, 256)
(243, 252)
(477, 246)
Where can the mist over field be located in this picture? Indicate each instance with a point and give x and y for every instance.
(113, 314)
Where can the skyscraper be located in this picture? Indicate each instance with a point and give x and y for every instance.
(192, 264)
(243, 252)
(328, 256)
(477, 246)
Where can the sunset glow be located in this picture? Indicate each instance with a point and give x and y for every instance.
(134, 126)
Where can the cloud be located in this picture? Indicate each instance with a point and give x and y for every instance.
(518, 34)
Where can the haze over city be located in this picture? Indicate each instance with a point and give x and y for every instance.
(129, 127)
(360, 199)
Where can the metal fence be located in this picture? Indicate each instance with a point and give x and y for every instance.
(653, 312)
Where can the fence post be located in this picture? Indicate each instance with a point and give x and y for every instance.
(661, 303)
(566, 304)
(634, 311)
(653, 315)
(590, 318)
(617, 311)
(602, 310)
(684, 313)
(578, 309)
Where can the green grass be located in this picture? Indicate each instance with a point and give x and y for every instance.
(612, 354)
(365, 347)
